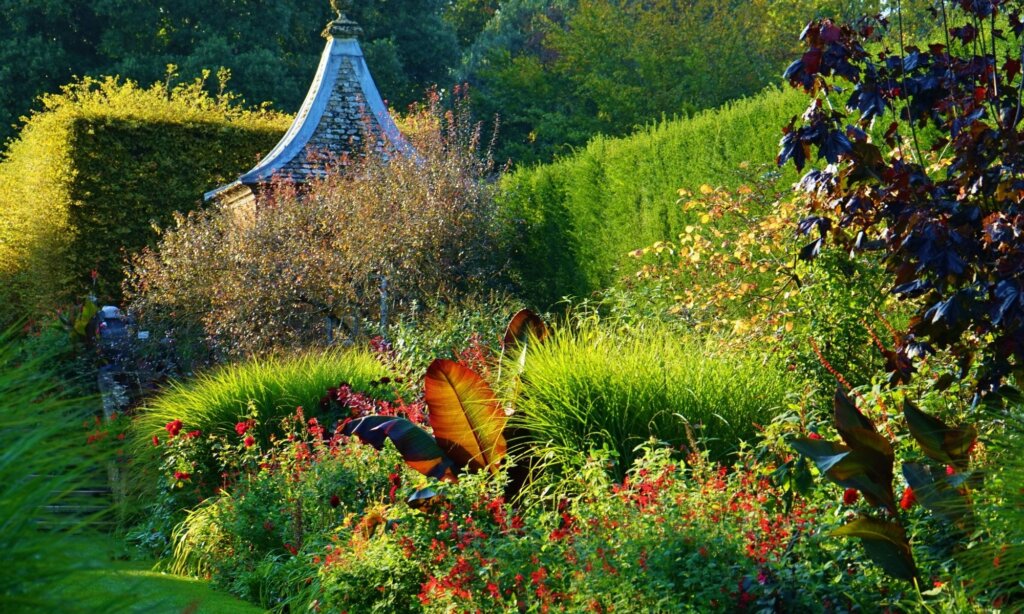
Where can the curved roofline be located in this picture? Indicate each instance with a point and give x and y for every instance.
(308, 119)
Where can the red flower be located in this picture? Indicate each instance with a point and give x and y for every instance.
(291, 549)
(173, 428)
(335, 501)
(156, 440)
(850, 496)
(192, 434)
(249, 441)
(950, 470)
(242, 427)
(182, 476)
(908, 500)
(813, 436)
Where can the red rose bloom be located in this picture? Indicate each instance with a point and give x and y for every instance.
(173, 428)
(850, 496)
(156, 440)
(249, 441)
(908, 500)
(180, 475)
(241, 428)
(813, 436)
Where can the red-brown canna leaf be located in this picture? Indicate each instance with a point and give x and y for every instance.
(885, 543)
(521, 327)
(417, 447)
(467, 419)
(936, 495)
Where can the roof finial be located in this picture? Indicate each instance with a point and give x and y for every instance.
(342, 26)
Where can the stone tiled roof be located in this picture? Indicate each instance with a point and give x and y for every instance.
(342, 109)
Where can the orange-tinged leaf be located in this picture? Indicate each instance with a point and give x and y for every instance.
(467, 419)
(522, 325)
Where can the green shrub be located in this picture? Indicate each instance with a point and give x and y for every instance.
(593, 388)
(573, 222)
(100, 164)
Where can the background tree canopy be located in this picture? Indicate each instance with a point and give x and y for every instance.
(557, 72)
(270, 46)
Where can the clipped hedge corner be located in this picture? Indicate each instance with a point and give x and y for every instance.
(99, 169)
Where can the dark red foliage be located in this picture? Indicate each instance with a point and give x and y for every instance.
(953, 234)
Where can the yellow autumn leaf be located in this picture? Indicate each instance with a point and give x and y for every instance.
(706, 189)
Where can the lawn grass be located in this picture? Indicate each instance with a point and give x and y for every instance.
(133, 586)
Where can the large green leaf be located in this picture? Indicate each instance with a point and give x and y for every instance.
(866, 469)
(936, 495)
(848, 418)
(885, 543)
(467, 419)
(939, 441)
(80, 330)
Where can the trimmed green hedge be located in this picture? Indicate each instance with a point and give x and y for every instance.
(94, 171)
(574, 221)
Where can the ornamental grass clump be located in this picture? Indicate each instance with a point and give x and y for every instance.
(214, 402)
(595, 387)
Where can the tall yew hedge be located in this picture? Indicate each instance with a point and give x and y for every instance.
(101, 167)
(574, 221)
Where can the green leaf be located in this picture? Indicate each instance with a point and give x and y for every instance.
(866, 469)
(885, 543)
(937, 440)
(937, 496)
(89, 311)
(848, 418)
